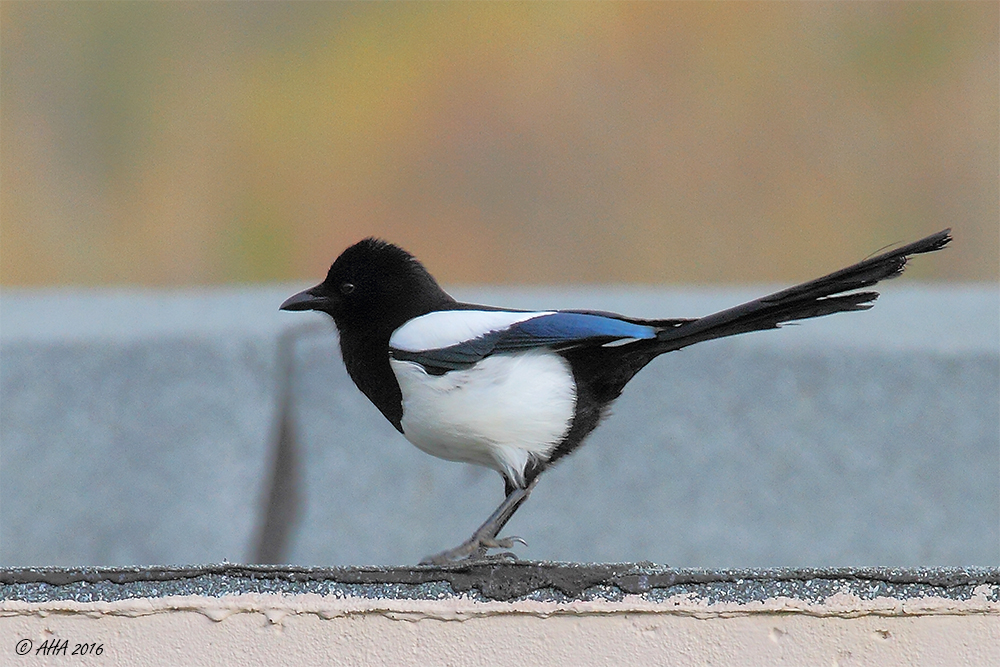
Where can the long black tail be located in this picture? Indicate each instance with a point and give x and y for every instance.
(823, 296)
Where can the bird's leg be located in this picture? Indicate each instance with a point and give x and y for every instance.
(485, 536)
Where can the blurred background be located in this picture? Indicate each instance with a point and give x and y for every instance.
(171, 171)
(174, 144)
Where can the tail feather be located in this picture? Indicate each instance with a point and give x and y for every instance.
(833, 293)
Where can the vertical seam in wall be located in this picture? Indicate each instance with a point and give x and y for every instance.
(282, 506)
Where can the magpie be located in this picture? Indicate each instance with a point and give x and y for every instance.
(517, 390)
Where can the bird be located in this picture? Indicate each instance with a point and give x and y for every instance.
(515, 390)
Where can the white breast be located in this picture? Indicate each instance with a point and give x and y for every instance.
(499, 413)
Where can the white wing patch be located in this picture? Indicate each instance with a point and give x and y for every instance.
(444, 328)
(500, 413)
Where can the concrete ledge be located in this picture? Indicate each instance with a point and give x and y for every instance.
(528, 613)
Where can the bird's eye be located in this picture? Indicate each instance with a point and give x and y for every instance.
(346, 288)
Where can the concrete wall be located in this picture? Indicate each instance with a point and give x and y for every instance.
(141, 427)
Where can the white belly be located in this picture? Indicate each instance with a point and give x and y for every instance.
(503, 411)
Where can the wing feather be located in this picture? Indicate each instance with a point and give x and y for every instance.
(513, 331)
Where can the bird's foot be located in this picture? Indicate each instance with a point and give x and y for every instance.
(475, 548)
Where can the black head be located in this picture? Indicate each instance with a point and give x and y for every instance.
(373, 287)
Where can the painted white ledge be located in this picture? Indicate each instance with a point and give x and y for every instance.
(505, 613)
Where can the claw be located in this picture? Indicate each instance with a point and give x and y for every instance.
(474, 549)
(503, 542)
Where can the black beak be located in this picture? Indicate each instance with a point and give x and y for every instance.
(306, 300)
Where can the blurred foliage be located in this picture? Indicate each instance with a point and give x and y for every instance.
(188, 143)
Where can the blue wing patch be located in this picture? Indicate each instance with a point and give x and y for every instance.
(558, 330)
(569, 327)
